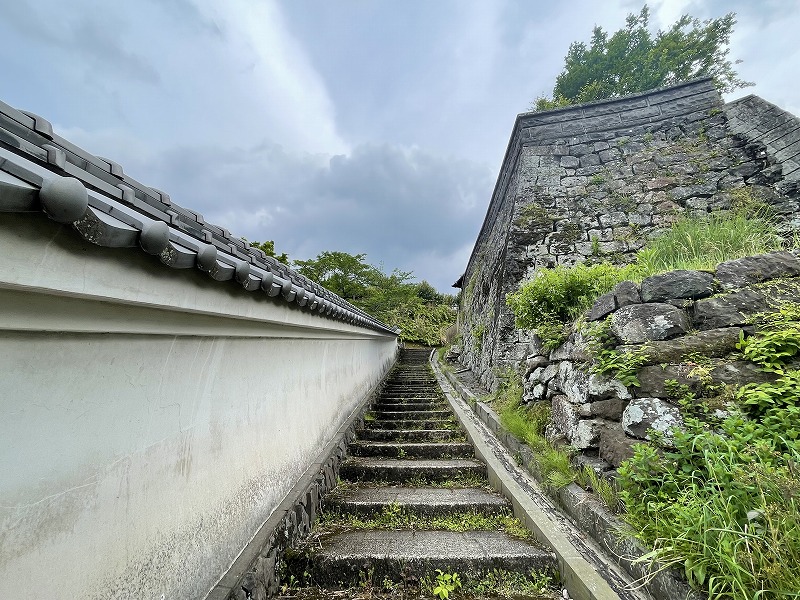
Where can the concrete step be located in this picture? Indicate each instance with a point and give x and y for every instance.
(424, 501)
(395, 449)
(422, 395)
(403, 400)
(410, 435)
(397, 406)
(412, 424)
(344, 557)
(399, 415)
(357, 468)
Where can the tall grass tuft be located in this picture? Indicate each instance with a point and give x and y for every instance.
(528, 424)
(703, 243)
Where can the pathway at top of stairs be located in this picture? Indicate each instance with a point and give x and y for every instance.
(413, 499)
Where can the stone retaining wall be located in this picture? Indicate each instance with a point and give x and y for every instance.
(594, 182)
(685, 325)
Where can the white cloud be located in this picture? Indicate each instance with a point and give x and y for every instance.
(273, 82)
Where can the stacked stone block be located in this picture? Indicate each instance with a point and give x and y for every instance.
(672, 319)
(595, 182)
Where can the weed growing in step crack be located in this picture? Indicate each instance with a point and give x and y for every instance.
(445, 584)
(508, 584)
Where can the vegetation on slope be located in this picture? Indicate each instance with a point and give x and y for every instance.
(556, 297)
(422, 314)
(721, 500)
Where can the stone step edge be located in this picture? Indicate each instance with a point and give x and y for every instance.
(582, 507)
(251, 567)
(360, 501)
(343, 566)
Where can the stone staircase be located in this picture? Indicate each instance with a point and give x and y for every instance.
(413, 499)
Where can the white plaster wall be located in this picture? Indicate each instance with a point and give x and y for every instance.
(151, 419)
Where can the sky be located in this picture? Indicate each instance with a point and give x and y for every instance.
(363, 126)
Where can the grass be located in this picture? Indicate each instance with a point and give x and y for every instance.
(527, 424)
(732, 525)
(703, 243)
(607, 491)
(555, 297)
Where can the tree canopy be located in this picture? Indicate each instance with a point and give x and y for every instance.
(634, 60)
(422, 313)
(268, 247)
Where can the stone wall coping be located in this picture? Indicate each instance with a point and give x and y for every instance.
(691, 83)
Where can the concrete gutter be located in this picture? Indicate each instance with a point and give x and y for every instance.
(582, 579)
(587, 517)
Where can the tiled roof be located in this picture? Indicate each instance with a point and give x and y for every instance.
(40, 171)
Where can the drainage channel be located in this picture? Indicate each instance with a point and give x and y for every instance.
(414, 515)
(586, 569)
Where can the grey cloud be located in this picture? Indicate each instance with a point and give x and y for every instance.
(95, 41)
(93, 38)
(759, 13)
(401, 207)
(187, 13)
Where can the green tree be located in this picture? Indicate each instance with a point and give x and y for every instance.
(268, 247)
(342, 273)
(634, 60)
(422, 313)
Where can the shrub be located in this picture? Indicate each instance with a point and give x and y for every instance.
(422, 323)
(559, 295)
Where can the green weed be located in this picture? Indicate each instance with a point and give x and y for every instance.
(508, 584)
(528, 423)
(446, 583)
(606, 490)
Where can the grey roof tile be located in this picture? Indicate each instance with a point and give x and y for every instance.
(41, 171)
